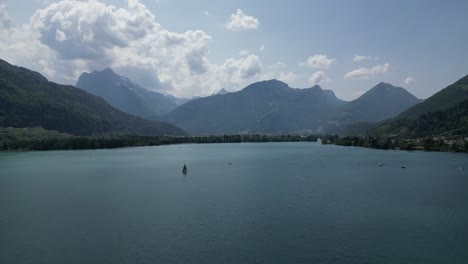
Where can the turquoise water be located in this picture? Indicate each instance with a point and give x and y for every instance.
(275, 203)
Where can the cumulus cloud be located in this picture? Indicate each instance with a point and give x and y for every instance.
(319, 61)
(410, 81)
(244, 52)
(92, 29)
(5, 21)
(99, 34)
(67, 38)
(319, 77)
(366, 73)
(243, 68)
(240, 21)
(361, 58)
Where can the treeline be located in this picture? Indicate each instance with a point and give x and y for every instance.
(452, 144)
(77, 143)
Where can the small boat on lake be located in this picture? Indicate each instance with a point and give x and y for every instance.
(184, 170)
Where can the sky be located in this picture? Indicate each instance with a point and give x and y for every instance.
(195, 48)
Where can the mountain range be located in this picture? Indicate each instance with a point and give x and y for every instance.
(263, 107)
(123, 94)
(274, 107)
(28, 99)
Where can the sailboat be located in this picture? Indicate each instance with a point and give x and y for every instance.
(184, 170)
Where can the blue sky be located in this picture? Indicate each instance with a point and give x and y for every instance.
(419, 45)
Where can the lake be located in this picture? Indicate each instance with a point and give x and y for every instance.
(238, 203)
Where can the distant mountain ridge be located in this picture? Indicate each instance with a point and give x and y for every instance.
(178, 100)
(263, 107)
(27, 99)
(273, 107)
(381, 102)
(121, 93)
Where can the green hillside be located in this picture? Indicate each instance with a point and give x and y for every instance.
(27, 99)
(445, 113)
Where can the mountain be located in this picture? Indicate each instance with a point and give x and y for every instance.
(27, 99)
(121, 93)
(263, 107)
(442, 100)
(222, 91)
(273, 107)
(381, 102)
(445, 113)
(178, 101)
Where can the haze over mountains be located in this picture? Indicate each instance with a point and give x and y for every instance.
(121, 93)
(270, 107)
(263, 107)
(273, 107)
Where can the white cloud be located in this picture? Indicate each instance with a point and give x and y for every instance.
(240, 21)
(319, 78)
(262, 47)
(67, 38)
(233, 74)
(319, 61)
(244, 52)
(278, 71)
(365, 73)
(279, 65)
(410, 81)
(5, 21)
(243, 68)
(287, 77)
(361, 58)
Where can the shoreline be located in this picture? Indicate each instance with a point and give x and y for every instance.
(456, 144)
(89, 143)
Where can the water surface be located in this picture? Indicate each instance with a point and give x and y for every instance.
(275, 203)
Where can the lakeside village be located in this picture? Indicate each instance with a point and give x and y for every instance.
(435, 143)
